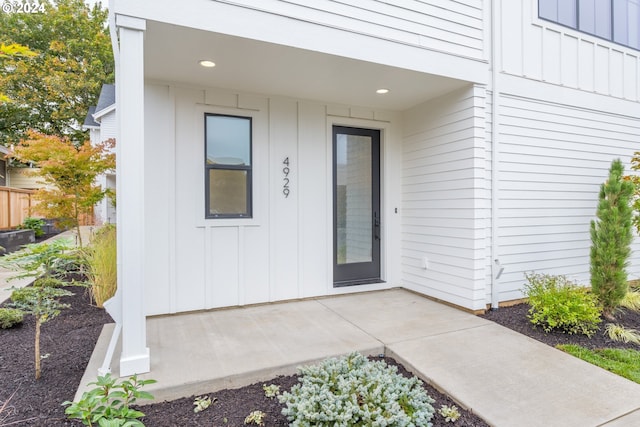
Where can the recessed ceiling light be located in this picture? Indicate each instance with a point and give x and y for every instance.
(382, 91)
(207, 63)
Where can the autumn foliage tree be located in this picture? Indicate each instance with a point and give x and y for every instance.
(70, 170)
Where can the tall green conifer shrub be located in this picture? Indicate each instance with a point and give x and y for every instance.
(611, 239)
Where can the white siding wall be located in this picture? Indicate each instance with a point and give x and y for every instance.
(108, 126)
(544, 51)
(553, 159)
(449, 26)
(445, 198)
(284, 251)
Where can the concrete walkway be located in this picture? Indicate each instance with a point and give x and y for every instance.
(6, 276)
(504, 377)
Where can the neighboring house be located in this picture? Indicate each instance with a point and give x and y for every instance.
(286, 172)
(101, 124)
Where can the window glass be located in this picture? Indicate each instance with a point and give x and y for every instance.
(634, 24)
(227, 166)
(595, 17)
(548, 9)
(567, 13)
(616, 20)
(228, 192)
(228, 140)
(620, 27)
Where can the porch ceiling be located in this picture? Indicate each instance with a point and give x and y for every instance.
(172, 54)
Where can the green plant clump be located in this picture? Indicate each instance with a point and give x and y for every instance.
(559, 304)
(109, 403)
(353, 390)
(101, 259)
(35, 224)
(10, 317)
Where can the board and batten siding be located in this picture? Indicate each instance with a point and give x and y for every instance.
(284, 251)
(444, 196)
(455, 27)
(552, 160)
(541, 50)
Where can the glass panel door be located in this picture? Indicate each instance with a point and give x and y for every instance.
(356, 212)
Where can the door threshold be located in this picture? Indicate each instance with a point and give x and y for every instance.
(357, 282)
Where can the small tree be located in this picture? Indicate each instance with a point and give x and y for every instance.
(70, 170)
(635, 180)
(611, 240)
(41, 302)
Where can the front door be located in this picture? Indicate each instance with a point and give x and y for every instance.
(356, 206)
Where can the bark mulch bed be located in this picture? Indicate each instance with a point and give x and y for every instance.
(515, 318)
(69, 340)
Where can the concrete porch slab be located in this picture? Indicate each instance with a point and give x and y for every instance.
(398, 315)
(203, 352)
(509, 379)
(506, 378)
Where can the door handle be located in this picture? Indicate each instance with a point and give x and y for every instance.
(376, 226)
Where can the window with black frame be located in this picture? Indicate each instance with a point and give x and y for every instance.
(228, 166)
(614, 20)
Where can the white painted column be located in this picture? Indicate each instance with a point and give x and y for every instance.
(134, 358)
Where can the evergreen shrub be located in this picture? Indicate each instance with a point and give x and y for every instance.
(353, 390)
(556, 303)
(10, 317)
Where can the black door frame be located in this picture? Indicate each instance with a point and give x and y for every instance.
(364, 272)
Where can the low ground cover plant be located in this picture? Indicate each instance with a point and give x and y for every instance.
(109, 403)
(354, 390)
(620, 333)
(556, 303)
(10, 317)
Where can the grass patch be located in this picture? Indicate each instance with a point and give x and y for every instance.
(623, 362)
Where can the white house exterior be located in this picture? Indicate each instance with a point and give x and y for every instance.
(483, 160)
(101, 124)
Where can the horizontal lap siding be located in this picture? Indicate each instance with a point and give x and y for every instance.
(449, 26)
(553, 159)
(444, 199)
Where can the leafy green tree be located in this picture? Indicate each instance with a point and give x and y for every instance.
(52, 90)
(71, 170)
(13, 50)
(611, 240)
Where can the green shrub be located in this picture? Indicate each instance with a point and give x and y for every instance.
(101, 260)
(109, 403)
(10, 317)
(353, 390)
(559, 304)
(35, 224)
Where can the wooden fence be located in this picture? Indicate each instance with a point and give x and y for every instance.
(16, 204)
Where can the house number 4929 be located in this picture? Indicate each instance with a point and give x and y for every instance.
(285, 177)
